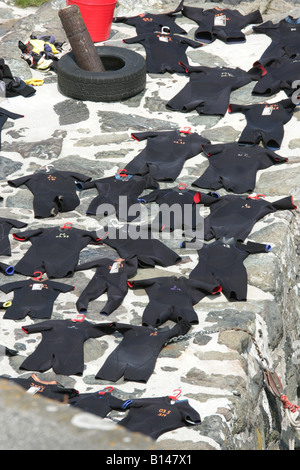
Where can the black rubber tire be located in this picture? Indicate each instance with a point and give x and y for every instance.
(124, 76)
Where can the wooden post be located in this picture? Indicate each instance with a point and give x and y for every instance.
(80, 40)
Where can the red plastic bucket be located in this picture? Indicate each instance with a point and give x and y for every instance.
(97, 16)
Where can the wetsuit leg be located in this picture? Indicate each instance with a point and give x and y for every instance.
(95, 288)
(115, 297)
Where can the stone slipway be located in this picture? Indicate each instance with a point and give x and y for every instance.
(219, 372)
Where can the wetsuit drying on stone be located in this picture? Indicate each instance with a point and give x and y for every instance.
(33, 298)
(208, 89)
(53, 191)
(234, 167)
(264, 122)
(99, 403)
(14, 86)
(4, 115)
(50, 389)
(54, 251)
(277, 73)
(173, 298)
(285, 37)
(61, 346)
(179, 208)
(234, 216)
(222, 262)
(164, 51)
(6, 225)
(136, 355)
(111, 277)
(157, 415)
(149, 250)
(220, 23)
(112, 188)
(165, 153)
(148, 22)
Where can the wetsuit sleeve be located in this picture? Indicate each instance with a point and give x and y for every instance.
(123, 19)
(80, 177)
(19, 181)
(212, 149)
(237, 108)
(6, 288)
(142, 283)
(131, 266)
(285, 203)
(253, 248)
(136, 39)
(154, 195)
(38, 327)
(27, 234)
(206, 199)
(254, 17)
(16, 223)
(62, 287)
(270, 158)
(95, 263)
(6, 269)
(189, 414)
(266, 28)
(80, 185)
(191, 43)
(289, 108)
(9, 114)
(99, 329)
(94, 236)
(143, 135)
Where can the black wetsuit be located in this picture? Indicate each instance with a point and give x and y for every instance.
(264, 122)
(99, 403)
(136, 355)
(157, 415)
(148, 22)
(285, 37)
(149, 250)
(112, 188)
(33, 298)
(165, 153)
(53, 191)
(6, 226)
(14, 86)
(173, 298)
(234, 167)
(234, 216)
(222, 262)
(4, 115)
(220, 23)
(54, 251)
(277, 73)
(178, 208)
(164, 51)
(61, 347)
(208, 89)
(110, 277)
(51, 389)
